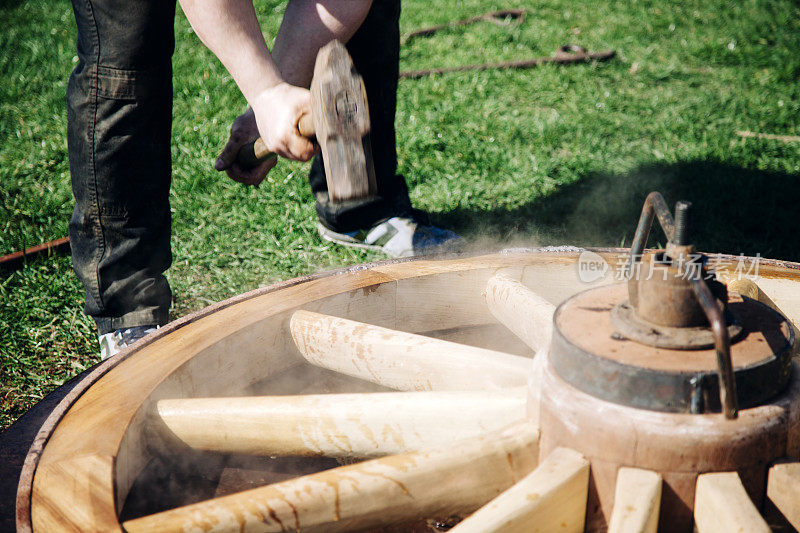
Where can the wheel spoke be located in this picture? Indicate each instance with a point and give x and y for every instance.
(783, 488)
(451, 480)
(339, 425)
(721, 504)
(529, 317)
(636, 501)
(525, 313)
(552, 497)
(402, 360)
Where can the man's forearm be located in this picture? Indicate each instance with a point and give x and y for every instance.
(229, 28)
(307, 26)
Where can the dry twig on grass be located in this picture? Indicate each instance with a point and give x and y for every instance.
(770, 136)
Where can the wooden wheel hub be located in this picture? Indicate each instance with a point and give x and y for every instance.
(626, 404)
(634, 382)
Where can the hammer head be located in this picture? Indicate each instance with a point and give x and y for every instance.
(341, 122)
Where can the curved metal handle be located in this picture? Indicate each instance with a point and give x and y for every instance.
(654, 205)
(722, 343)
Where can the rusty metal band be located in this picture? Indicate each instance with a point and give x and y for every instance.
(671, 392)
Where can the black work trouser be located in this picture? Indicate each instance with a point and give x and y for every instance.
(119, 112)
(119, 102)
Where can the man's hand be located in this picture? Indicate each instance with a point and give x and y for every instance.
(243, 131)
(278, 111)
(230, 29)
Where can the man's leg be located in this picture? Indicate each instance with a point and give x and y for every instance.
(375, 49)
(386, 223)
(119, 103)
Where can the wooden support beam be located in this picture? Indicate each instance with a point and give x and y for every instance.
(552, 497)
(525, 313)
(783, 488)
(637, 500)
(402, 360)
(452, 480)
(339, 425)
(721, 505)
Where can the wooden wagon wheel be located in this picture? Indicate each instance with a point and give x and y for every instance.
(459, 437)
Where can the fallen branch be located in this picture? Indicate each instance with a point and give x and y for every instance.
(15, 260)
(564, 55)
(770, 136)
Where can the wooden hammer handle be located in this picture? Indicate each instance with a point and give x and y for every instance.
(256, 152)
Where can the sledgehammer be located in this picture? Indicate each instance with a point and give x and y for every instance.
(340, 122)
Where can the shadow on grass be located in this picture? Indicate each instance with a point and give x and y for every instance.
(736, 210)
(9, 4)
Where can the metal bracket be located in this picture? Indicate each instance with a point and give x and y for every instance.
(677, 234)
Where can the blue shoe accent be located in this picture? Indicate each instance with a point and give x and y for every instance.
(430, 239)
(400, 236)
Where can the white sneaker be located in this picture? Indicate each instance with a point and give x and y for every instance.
(397, 237)
(114, 342)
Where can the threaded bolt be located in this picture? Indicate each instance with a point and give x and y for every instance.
(680, 235)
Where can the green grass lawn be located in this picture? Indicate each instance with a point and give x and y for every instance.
(553, 155)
